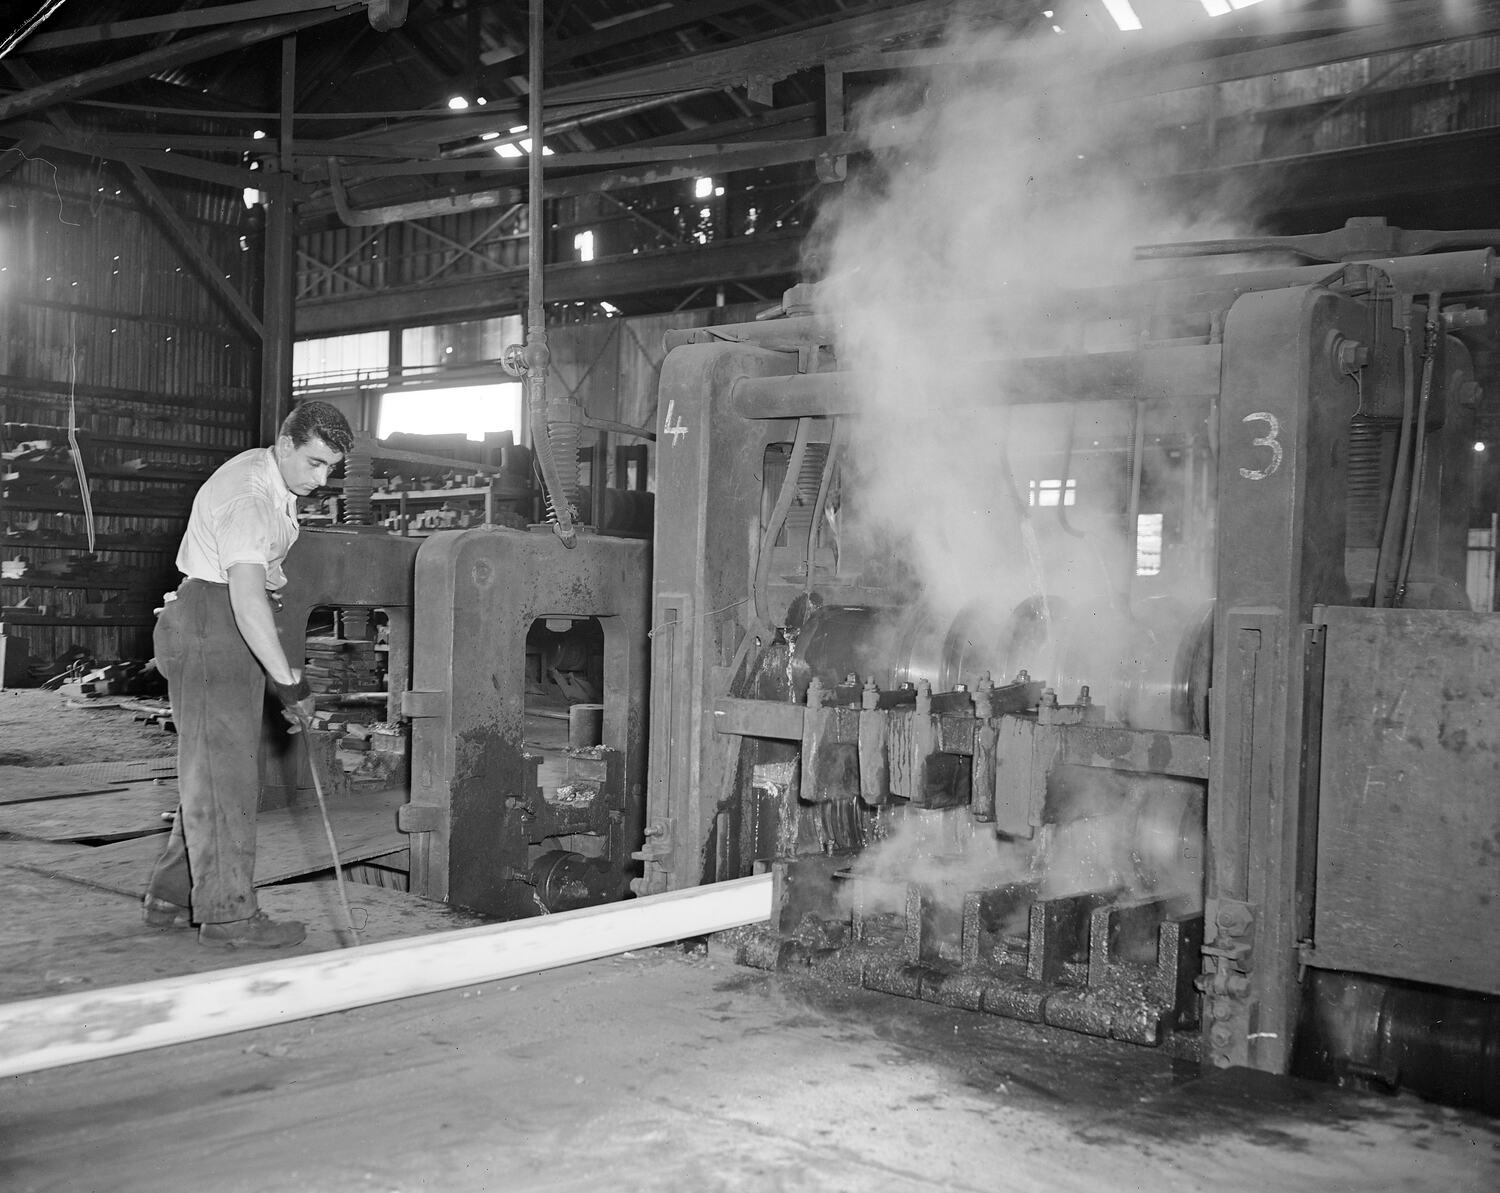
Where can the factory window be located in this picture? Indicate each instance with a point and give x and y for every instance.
(472, 410)
(1053, 492)
(1148, 528)
(443, 345)
(341, 358)
(583, 244)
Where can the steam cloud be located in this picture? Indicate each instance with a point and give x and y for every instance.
(993, 191)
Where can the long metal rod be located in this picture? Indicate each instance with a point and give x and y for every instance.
(534, 315)
(45, 1033)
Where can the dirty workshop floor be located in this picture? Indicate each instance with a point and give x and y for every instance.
(664, 1070)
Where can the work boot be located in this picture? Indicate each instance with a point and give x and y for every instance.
(158, 913)
(260, 931)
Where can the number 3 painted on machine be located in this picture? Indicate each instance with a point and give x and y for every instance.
(1273, 429)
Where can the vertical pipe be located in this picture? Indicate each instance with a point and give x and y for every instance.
(554, 425)
(280, 266)
(535, 322)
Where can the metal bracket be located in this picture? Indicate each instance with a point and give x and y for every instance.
(422, 818)
(416, 704)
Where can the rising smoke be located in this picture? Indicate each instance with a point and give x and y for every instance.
(993, 191)
(992, 196)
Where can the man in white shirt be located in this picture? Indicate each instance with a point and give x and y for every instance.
(216, 643)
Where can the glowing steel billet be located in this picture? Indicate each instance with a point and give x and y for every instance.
(44, 1033)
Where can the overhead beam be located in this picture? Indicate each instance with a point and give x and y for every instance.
(561, 50)
(1153, 66)
(175, 22)
(103, 145)
(45, 1033)
(174, 54)
(193, 253)
(750, 156)
(746, 257)
(769, 59)
(757, 153)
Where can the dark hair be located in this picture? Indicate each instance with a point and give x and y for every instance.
(322, 419)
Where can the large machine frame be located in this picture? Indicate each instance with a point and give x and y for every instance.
(1315, 393)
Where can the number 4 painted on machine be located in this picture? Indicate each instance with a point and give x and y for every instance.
(1269, 439)
(677, 429)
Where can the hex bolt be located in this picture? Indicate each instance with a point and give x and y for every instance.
(1234, 920)
(1351, 355)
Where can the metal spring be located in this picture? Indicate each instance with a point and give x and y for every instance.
(563, 437)
(359, 484)
(1366, 494)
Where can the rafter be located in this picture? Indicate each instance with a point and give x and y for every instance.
(174, 54)
(174, 22)
(749, 257)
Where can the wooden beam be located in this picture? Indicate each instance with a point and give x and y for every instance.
(745, 257)
(92, 144)
(1154, 65)
(756, 153)
(45, 1033)
(174, 22)
(194, 253)
(621, 32)
(750, 157)
(770, 58)
(178, 53)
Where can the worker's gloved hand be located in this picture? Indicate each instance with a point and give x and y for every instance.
(297, 703)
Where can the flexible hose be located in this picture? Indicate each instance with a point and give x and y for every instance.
(333, 848)
(1391, 529)
(1419, 448)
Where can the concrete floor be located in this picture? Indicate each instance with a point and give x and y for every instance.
(676, 1071)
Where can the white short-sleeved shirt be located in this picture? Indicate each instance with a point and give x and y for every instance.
(244, 513)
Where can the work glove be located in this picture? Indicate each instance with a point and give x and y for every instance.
(297, 703)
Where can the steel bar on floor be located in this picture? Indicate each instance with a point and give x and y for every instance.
(46, 1033)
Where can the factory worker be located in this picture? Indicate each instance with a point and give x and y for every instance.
(216, 642)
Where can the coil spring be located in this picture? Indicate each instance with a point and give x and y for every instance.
(563, 439)
(1366, 495)
(359, 484)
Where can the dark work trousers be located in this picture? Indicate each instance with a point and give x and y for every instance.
(217, 690)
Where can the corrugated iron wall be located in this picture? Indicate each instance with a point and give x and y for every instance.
(104, 319)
